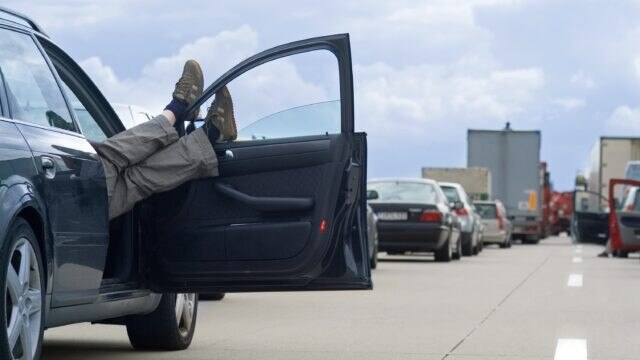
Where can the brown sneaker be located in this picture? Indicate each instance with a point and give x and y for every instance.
(190, 85)
(220, 115)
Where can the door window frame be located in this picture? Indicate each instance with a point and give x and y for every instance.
(6, 109)
(83, 88)
(338, 45)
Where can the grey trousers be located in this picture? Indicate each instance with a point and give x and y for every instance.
(151, 158)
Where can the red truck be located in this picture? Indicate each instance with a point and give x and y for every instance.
(560, 211)
(545, 191)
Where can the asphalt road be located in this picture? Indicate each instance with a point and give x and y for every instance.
(504, 304)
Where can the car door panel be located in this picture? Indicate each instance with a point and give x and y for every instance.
(589, 224)
(284, 214)
(229, 238)
(624, 225)
(76, 197)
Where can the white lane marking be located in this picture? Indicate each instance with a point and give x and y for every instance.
(571, 349)
(577, 259)
(579, 246)
(575, 280)
(579, 251)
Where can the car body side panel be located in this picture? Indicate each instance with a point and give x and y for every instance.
(76, 201)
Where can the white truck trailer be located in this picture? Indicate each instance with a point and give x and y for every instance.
(476, 181)
(513, 157)
(609, 159)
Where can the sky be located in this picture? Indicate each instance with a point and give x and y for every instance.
(424, 71)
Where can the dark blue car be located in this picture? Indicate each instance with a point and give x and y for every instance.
(287, 213)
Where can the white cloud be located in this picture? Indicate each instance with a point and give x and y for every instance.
(441, 97)
(152, 89)
(570, 103)
(583, 80)
(70, 13)
(624, 118)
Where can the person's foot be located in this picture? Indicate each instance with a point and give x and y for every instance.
(604, 254)
(190, 85)
(220, 115)
(188, 88)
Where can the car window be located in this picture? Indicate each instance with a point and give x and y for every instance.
(34, 95)
(487, 211)
(298, 95)
(88, 125)
(451, 193)
(404, 191)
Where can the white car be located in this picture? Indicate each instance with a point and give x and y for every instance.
(471, 224)
(131, 115)
(497, 227)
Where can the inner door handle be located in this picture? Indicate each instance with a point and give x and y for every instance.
(225, 154)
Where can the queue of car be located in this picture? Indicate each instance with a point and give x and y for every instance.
(423, 215)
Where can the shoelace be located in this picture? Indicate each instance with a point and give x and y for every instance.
(184, 84)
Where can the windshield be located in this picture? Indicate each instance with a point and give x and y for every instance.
(306, 120)
(404, 191)
(487, 211)
(585, 201)
(451, 193)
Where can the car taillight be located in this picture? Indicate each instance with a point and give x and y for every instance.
(630, 207)
(500, 222)
(462, 212)
(431, 216)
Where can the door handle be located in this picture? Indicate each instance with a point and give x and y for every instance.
(266, 204)
(225, 155)
(49, 167)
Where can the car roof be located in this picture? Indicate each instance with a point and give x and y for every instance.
(15, 19)
(451, 184)
(404, 180)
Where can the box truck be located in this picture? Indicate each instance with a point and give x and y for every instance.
(610, 158)
(476, 181)
(513, 157)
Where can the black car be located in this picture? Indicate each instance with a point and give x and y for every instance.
(414, 216)
(286, 213)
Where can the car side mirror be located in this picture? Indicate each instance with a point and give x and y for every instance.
(372, 195)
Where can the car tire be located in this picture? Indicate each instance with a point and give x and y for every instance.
(444, 254)
(162, 329)
(457, 255)
(211, 296)
(467, 247)
(374, 257)
(23, 281)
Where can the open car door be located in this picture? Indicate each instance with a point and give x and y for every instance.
(287, 211)
(589, 222)
(624, 222)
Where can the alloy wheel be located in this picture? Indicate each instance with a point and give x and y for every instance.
(185, 304)
(23, 301)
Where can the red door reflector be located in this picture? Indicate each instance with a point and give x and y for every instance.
(323, 226)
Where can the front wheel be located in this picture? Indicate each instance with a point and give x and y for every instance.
(169, 327)
(23, 300)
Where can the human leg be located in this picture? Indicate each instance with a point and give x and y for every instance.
(191, 157)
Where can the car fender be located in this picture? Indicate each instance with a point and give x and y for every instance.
(17, 194)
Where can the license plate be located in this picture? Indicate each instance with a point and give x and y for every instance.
(392, 216)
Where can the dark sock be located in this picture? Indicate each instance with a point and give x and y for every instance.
(177, 107)
(212, 133)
